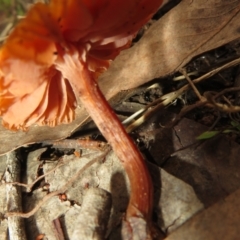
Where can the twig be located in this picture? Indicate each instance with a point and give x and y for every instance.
(211, 97)
(162, 102)
(14, 198)
(63, 189)
(184, 72)
(170, 97)
(30, 186)
(184, 111)
(78, 143)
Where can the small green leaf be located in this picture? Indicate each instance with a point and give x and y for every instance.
(207, 135)
(228, 131)
(236, 125)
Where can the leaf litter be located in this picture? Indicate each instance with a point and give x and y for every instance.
(196, 182)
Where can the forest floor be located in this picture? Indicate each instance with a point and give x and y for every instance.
(191, 145)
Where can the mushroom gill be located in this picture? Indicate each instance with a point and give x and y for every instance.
(32, 90)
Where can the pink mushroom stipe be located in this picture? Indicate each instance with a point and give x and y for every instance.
(53, 58)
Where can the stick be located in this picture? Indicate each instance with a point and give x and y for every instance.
(14, 197)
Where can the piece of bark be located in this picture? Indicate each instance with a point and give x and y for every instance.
(16, 227)
(3, 205)
(58, 229)
(93, 218)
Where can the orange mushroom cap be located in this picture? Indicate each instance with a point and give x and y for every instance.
(32, 89)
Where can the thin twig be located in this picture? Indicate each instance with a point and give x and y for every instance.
(16, 227)
(78, 143)
(168, 98)
(63, 189)
(211, 97)
(184, 72)
(30, 186)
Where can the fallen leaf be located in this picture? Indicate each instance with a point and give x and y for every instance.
(221, 221)
(199, 173)
(189, 29)
(177, 203)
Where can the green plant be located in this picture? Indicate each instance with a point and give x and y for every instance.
(235, 127)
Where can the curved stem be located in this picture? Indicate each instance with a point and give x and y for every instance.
(91, 97)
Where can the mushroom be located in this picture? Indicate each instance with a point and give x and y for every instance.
(53, 58)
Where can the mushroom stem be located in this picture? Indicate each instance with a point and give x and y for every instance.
(91, 97)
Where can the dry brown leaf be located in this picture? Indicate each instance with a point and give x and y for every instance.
(221, 221)
(189, 29)
(209, 169)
